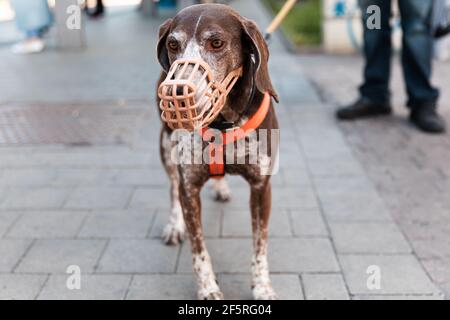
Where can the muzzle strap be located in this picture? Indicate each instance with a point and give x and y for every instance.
(190, 97)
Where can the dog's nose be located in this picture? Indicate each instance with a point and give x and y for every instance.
(179, 91)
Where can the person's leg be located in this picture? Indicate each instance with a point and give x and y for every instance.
(417, 52)
(100, 7)
(374, 92)
(36, 33)
(417, 58)
(98, 10)
(377, 53)
(33, 43)
(32, 18)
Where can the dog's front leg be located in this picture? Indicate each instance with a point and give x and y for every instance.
(260, 202)
(208, 288)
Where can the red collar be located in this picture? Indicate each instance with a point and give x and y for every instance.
(217, 169)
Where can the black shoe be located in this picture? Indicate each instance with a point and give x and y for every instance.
(442, 32)
(428, 120)
(363, 108)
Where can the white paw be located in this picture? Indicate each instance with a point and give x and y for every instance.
(173, 234)
(264, 292)
(222, 196)
(222, 192)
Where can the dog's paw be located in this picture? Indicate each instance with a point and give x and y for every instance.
(264, 292)
(221, 190)
(215, 295)
(222, 196)
(173, 234)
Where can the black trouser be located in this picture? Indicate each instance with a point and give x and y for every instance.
(417, 53)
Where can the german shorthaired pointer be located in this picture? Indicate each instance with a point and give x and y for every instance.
(225, 42)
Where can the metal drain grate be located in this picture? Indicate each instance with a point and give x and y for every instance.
(69, 124)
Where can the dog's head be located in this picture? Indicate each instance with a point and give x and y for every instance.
(223, 39)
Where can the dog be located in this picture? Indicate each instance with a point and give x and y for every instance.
(223, 39)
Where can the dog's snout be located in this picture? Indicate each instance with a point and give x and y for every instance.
(179, 91)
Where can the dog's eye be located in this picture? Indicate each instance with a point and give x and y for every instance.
(217, 44)
(173, 45)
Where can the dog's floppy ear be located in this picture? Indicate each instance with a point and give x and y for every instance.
(163, 56)
(254, 41)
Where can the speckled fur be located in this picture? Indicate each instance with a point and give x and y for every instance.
(244, 46)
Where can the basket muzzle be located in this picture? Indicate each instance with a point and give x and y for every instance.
(190, 97)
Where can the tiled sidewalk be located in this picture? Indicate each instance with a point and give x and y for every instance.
(410, 169)
(103, 208)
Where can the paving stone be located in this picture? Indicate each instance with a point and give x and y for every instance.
(400, 274)
(98, 198)
(2, 194)
(237, 223)
(236, 182)
(93, 287)
(150, 198)
(399, 297)
(355, 208)
(321, 145)
(34, 198)
(291, 162)
(431, 249)
(160, 198)
(142, 177)
(28, 177)
(285, 255)
(11, 252)
(83, 176)
(238, 287)
(337, 187)
(342, 168)
(7, 218)
(117, 224)
(138, 256)
(20, 286)
(163, 287)
(324, 287)
(296, 177)
(89, 159)
(47, 224)
(305, 255)
(54, 256)
(307, 222)
(438, 269)
(294, 197)
(211, 222)
(228, 255)
(426, 230)
(368, 238)
(350, 200)
(445, 287)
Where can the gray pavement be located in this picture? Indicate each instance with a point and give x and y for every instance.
(101, 205)
(410, 169)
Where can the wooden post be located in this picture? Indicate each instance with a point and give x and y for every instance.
(69, 24)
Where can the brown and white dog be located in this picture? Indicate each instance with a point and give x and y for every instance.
(225, 41)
